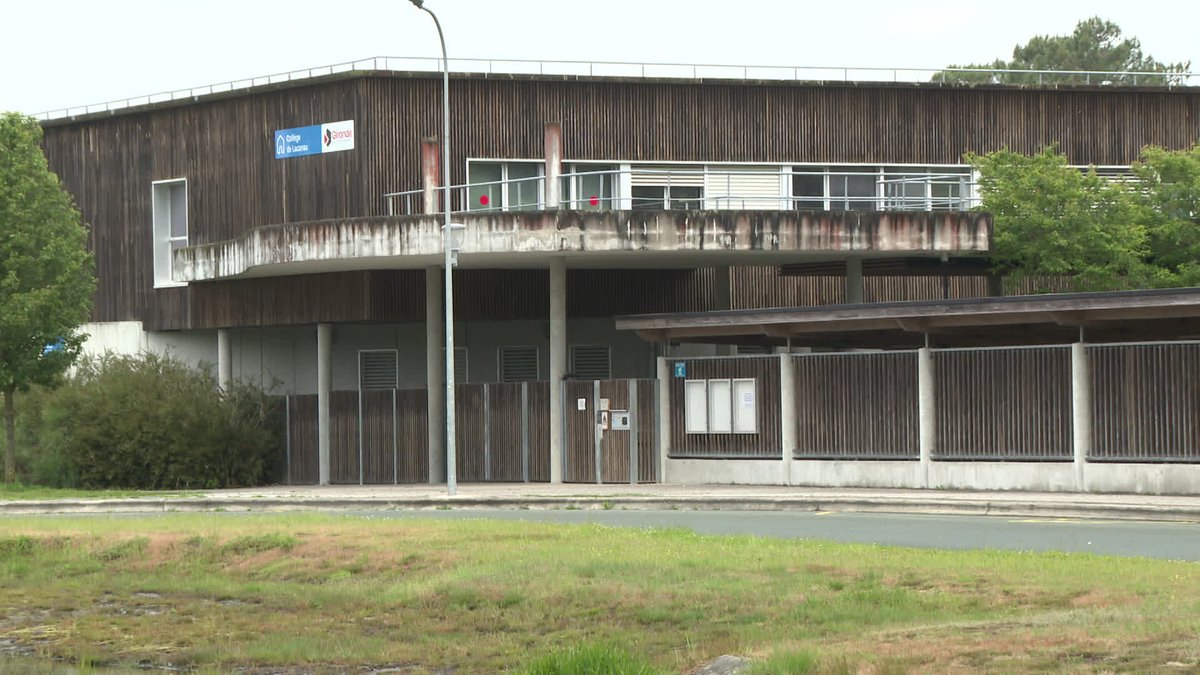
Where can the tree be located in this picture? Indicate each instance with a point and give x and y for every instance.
(1053, 220)
(1095, 45)
(46, 271)
(1169, 189)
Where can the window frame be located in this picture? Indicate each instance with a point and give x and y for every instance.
(161, 221)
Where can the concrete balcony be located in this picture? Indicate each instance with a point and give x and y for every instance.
(617, 239)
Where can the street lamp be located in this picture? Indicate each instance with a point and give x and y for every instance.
(451, 259)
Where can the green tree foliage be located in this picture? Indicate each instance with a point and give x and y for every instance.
(1169, 189)
(151, 422)
(1095, 45)
(46, 277)
(1053, 220)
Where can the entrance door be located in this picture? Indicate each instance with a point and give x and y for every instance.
(610, 431)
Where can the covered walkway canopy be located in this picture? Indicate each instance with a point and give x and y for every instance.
(1121, 316)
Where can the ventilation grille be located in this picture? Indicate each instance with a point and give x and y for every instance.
(518, 364)
(377, 369)
(753, 350)
(591, 362)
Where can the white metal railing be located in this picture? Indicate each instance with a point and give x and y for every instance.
(693, 71)
(677, 189)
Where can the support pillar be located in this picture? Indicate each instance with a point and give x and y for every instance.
(664, 416)
(224, 359)
(324, 385)
(787, 416)
(1081, 410)
(926, 419)
(558, 363)
(430, 172)
(854, 281)
(435, 374)
(554, 155)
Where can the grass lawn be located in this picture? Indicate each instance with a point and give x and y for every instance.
(313, 593)
(15, 491)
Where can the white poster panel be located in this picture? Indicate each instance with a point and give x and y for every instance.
(745, 407)
(720, 407)
(695, 406)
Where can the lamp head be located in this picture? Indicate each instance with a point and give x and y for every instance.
(419, 3)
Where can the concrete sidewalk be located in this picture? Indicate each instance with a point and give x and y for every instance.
(622, 496)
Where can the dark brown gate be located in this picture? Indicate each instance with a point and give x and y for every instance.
(610, 428)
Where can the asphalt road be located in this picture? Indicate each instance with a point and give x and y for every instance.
(1171, 541)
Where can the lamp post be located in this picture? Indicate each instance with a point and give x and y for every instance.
(448, 245)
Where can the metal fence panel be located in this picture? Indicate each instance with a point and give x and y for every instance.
(856, 406)
(1145, 402)
(1003, 404)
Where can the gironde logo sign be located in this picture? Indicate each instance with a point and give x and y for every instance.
(314, 140)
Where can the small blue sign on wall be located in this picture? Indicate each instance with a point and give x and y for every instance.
(681, 369)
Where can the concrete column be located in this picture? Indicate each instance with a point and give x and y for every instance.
(664, 416)
(431, 167)
(324, 385)
(558, 362)
(224, 359)
(1081, 410)
(854, 281)
(554, 155)
(435, 373)
(787, 409)
(927, 432)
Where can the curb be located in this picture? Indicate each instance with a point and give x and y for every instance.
(974, 507)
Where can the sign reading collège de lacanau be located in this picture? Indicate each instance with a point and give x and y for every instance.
(314, 140)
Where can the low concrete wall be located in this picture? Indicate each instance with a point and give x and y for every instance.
(828, 473)
(1035, 476)
(725, 471)
(1154, 479)
(1178, 479)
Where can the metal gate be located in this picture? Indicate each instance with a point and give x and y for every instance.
(610, 431)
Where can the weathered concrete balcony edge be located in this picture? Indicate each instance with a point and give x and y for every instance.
(517, 235)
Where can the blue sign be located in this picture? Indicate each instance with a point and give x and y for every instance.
(298, 142)
(681, 369)
(315, 139)
(56, 346)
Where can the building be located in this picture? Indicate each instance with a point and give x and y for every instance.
(288, 232)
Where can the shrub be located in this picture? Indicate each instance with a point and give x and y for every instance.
(150, 422)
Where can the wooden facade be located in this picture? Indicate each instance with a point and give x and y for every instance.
(222, 145)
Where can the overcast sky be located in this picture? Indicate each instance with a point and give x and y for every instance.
(91, 51)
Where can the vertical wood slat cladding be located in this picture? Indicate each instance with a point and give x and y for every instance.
(647, 419)
(1145, 402)
(764, 443)
(505, 431)
(856, 406)
(539, 431)
(1004, 404)
(499, 422)
(614, 445)
(343, 437)
(412, 430)
(303, 464)
(380, 447)
(222, 145)
(469, 432)
(579, 463)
